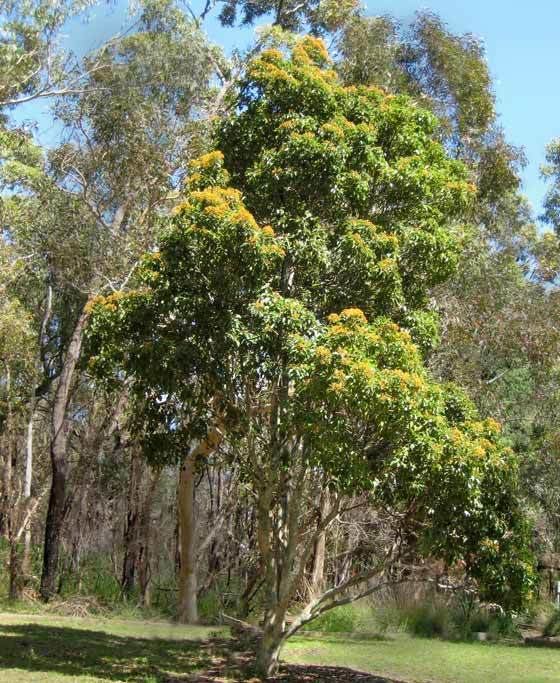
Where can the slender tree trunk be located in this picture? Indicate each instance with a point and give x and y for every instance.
(16, 575)
(26, 563)
(187, 608)
(61, 425)
(187, 611)
(145, 540)
(53, 526)
(318, 572)
(132, 530)
(14, 562)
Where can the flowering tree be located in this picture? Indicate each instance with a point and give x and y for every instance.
(288, 304)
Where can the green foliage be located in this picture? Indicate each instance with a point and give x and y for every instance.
(436, 619)
(319, 16)
(292, 281)
(343, 619)
(551, 172)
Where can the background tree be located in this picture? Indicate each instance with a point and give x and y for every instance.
(86, 213)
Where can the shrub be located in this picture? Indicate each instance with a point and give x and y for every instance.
(435, 618)
(342, 619)
(552, 627)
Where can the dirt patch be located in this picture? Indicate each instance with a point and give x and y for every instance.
(233, 664)
(543, 641)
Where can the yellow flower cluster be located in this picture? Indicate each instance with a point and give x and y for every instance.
(209, 160)
(214, 196)
(243, 216)
(182, 207)
(309, 51)
(109, 302)
(408, 380)
(333, 129)
(323, 354)
(386, 265)
(264, 71)
(272, 54)
(338, 385)
(492, 426)
(364, 369)
(353, 315)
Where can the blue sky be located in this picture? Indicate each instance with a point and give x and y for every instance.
(522, 47)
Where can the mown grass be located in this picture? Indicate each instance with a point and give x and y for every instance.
(36, 648)
(419, 660)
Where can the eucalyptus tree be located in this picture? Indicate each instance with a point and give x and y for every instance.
(83, 214)
(286, 308)
(551, 172)
(319, 16)
(18, 377)
(32, 63)
(449, 74)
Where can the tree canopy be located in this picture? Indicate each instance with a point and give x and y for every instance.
(290, 290)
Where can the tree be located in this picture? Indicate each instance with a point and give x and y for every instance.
(447, 73)
(551, 172)
(319, 16)
(82, 216)
(290, 293)
(18, 349)
(32, 65)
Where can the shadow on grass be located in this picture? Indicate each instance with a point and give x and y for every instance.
(75, 652)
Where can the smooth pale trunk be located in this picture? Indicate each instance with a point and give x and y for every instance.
(26, 564)
(318, 572)
(268, 653)
(187, 612)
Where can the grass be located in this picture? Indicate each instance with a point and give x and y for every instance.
(53, 649)
(419, 660)
(39, 648)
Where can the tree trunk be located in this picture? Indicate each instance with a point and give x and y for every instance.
(318, 572)
(26, 563)
(60, 426)
(145, 540)
(268, 652)
(53, 527)
(16, 575)
(187, 611)
(187, 607)
(132, 529)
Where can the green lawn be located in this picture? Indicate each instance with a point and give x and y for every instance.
(36, 648)
(418, 660)
(62, 649)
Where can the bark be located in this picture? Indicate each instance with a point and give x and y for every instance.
(268, 652)
(318, 572)
(60, 433)
(16, 575)
(26, 563)
(187, 611)
(187, 608)
(144, 573)
(132, 530)
(10, 508)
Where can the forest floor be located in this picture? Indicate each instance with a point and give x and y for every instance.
(36, 648)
